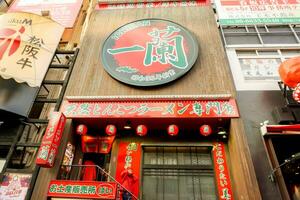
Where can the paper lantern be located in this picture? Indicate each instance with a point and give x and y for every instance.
(111, 130)
(173, 130)
(81, 129)
(141, 130)
(205, 130)
(289, 72)
(296, 93)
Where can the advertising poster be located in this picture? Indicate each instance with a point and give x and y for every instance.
(14, 186)
(64, 12)
(234, 12)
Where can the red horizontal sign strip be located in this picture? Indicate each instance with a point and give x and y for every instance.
(159, 4)
(151, 109)
(82, 189)
(283, 128)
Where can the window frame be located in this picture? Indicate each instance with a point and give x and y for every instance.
(255, 85)
(209, 169)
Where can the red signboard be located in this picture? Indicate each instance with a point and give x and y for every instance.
(92, 144)
(157, 4)
(64, 12)
(149, 52)
(82, 189)
(222, 173)
(51, 140)
(128, 167)
(151, 109)
(294, 128)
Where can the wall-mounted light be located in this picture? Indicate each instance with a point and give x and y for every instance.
(127, 126)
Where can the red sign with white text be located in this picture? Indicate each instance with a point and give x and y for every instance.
(156, 4)
(51, 140)
(82, 189)
(128, 167)
(64, 12)
(145, 109)
(222, 173)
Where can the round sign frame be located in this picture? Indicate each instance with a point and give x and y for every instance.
(172, 72)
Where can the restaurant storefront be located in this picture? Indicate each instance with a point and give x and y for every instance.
(154, 137)
(149, 112)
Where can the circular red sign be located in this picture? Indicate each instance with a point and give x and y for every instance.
(111, 130)
(149, 52)
(173, 130)
(205, 130)
(141, 130)
(81, 129)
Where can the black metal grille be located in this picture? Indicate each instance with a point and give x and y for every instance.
(22, 152)
(178, 173)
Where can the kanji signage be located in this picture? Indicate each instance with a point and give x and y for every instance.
(149, 52)
(222, 173)
(144, 109)
(27, 45)
(128, 167)
(82, 189)
(234, 12)
(156, 4)
(64, 12)
(51, 140)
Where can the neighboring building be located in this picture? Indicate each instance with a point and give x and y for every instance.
(158, 104)
(258, 36)
(164, 164)
(30, 43)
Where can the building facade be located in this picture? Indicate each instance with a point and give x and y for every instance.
(164, 166)
(164, 100)
(258, 37)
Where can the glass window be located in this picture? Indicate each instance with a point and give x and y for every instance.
(260, 35)
(186, 173)
(260, 69)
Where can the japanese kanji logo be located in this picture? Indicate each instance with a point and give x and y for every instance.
(10, 40)
(149, 52)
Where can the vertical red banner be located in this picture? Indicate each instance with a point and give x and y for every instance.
(128, 167)
(51, 140)
(222, 173)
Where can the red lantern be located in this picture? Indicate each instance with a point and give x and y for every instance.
(173, 130)
(205, 130)
(81, 129)
(296, 93)
(289, 72)
(111, 130)
(141, 130)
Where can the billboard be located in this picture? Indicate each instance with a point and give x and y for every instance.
(236, 12)
(14, 186)
(64, 12)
